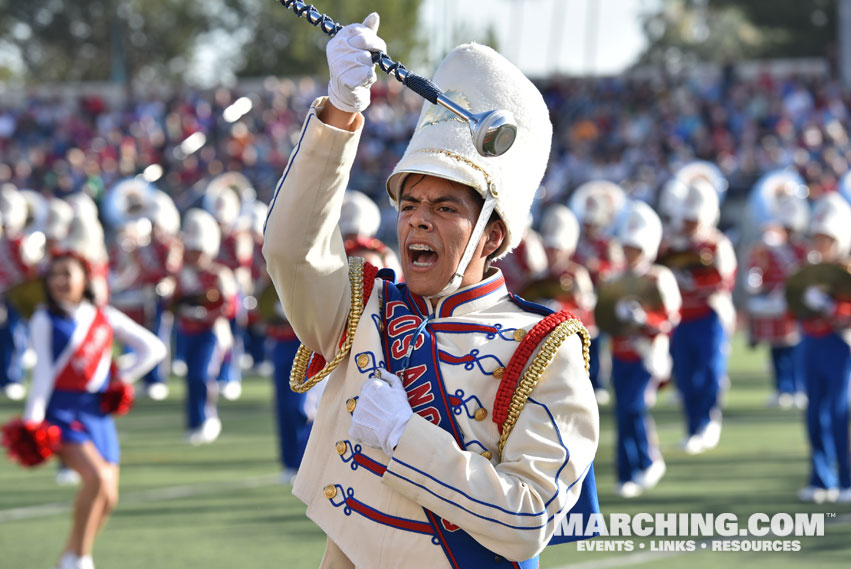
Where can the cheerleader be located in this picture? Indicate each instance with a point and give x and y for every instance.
(205, 298)
(641, 353)
(72, 338)
(827, 359)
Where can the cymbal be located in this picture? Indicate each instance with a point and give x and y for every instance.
(833, 279)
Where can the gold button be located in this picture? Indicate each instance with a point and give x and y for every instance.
(519, 334)
(480, 414)
(487, 454)
(381, 326)
(351, 404)
(363, 361)
(341, 447)
(330, 491)
(499, 372)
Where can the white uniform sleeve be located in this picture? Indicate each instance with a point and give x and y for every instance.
(41, 384)
(669, 290)
(303, 247)
(147, 349)
(511, 507)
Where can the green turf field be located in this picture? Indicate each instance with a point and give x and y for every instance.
(220, 507)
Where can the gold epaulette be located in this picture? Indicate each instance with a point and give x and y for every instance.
(298, 375)
(536, 369)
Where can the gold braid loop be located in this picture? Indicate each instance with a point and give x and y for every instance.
(542, 360)
(298, 375)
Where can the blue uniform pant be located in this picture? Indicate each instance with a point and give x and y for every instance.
(786, 369)
(828, 364)
(201, 391)
(230, 370)
(293, 428)
(698, 350)
(254, 341)
(630, 380)
(13, 343)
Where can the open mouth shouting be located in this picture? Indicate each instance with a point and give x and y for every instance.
(422, 256)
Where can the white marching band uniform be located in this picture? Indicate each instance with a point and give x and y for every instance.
(383, 511)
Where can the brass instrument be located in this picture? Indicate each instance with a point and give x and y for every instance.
(833, 279)
(561, 289)
(26, 296)
(268, 306)
(687, 260)
(626, 287)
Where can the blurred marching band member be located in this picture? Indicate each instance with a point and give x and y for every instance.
(526, 263)
(159, 259)
(704, 263)
(254, 338)
(771, 261)
(72, 337)
(641, 352)
(559, 235)
(236, 252)
(20, 256)
(360, 220)
(596, 204)
(204, 302)
(827, 358)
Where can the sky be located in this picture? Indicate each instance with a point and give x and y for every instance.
(544, 37)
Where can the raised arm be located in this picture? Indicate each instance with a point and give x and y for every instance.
(304, 252)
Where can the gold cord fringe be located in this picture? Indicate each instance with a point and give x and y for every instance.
(298, 375)
(542, 360)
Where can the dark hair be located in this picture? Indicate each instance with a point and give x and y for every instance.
(52, 305)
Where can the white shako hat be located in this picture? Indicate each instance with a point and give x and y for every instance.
(642, 229)
(479, 79)
(13, 209)
(163, 213)
(597, 202)
(832, 217)
(201, 232)
(700, 204)
(59, 216)
(559, 228)
(85, 239)
(793, 213)
(359, 215)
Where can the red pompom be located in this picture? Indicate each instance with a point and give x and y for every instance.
(118, 398)
(29, 443)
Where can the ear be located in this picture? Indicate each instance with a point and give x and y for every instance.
(494, 234)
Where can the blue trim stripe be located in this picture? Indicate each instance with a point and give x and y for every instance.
(287, 170)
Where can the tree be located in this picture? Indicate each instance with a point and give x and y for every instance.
(723, 30)
(150, 40)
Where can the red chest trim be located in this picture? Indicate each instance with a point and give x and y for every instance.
(83, 363)
(518, 361)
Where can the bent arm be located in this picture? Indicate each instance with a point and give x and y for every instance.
(304, 252)
(512, 507)
(147, 349)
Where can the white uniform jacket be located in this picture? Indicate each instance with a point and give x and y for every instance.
(372, 505)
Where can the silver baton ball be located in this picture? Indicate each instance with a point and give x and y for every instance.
(493, 132)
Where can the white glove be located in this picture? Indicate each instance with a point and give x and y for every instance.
(382, 412)
(817, 300)
(349, 56)
(630, 311)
